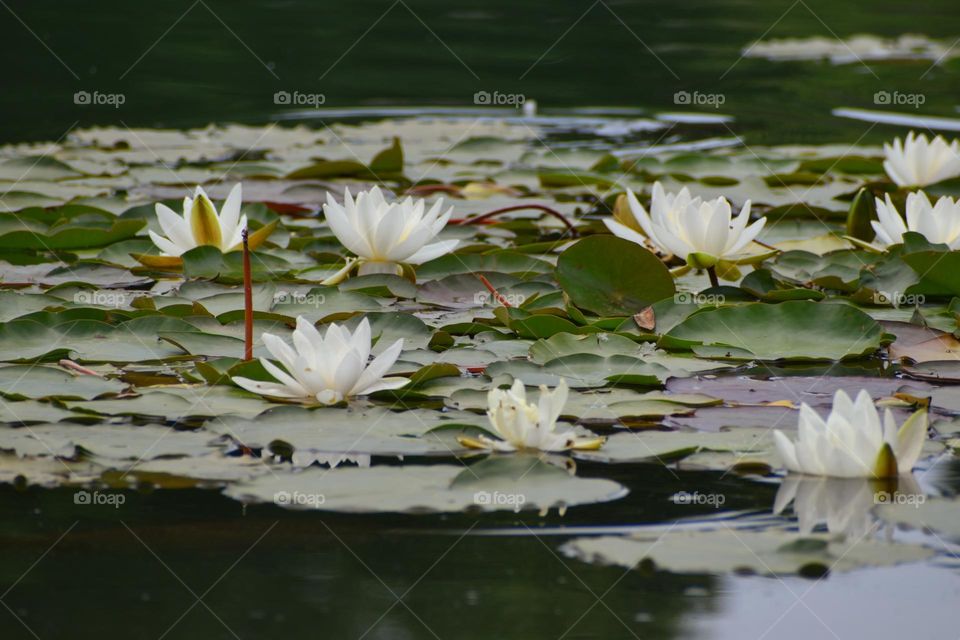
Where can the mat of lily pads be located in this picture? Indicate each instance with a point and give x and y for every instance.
(118, 365)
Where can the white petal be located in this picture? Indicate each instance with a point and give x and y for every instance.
(625, 232)
(265, 388)
(230, 216)
(432, 251)
(175, 226)
(166, 247)
(376, 369)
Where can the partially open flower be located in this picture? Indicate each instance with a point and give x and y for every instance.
(917, 162)
(938, 223)
(201, 225)
(524, 425)
(387, 235)
(703, 233)
(852, 442)
(328, 368)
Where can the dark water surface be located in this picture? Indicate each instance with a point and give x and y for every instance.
(186, 63)
(138, 571)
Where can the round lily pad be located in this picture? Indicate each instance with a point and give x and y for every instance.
(796, 330)
(610, 276)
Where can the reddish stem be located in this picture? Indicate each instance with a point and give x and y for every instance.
(496, 294)
(70, 364)
(247, 299)
(553, 212)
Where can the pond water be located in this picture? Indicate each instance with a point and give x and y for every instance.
(184, 562)
(182, 64)
(261, 572)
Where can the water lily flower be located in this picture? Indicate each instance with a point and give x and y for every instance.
(328, 367)
(852, 442)
(938, 223)
(702, 232)
(387, 235)
(524, 425)
(917, 162)
(201, 224)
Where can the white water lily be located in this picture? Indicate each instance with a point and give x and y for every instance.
(852, 442)
(939, 223)
(201, 224)
(917, 161)
(702, 232)
(525, 425)
(386, 235)
(328, 367)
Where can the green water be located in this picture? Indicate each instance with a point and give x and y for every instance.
(184, 64)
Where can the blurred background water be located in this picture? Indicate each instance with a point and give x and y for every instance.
(187, 63)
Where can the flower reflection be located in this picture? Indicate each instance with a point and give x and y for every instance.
(844, 505)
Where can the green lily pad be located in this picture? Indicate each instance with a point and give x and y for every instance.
(610, 276)
(769, 552)
(661, 446)
(22, 381)
(124, 442)
(941, 515)
(795, 330)
(371, 431)
(503, 483)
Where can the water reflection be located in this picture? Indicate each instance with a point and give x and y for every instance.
(843, 505)
(135, 573)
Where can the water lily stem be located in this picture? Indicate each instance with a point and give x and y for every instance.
(496, 294)
(712, 272)
(247, 299)
(73, 366)
(519, 207)
(765, 245)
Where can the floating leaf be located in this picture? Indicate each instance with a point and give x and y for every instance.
(769, 552)
(507, 483)
(796, 330)
(610, 276)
